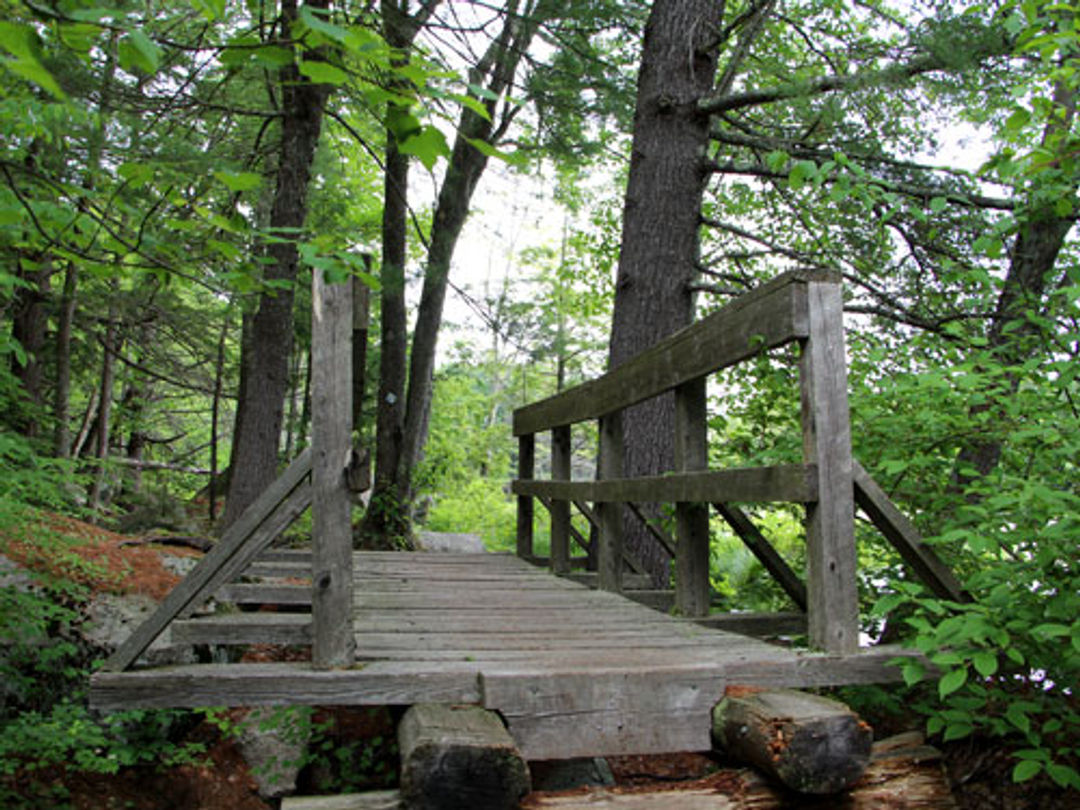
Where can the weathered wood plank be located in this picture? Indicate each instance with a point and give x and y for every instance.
(258, 594)
(905, 538)
(331, 444)
(459, 756)
(662, 600)
(277, 570)
(768, 556)
(560, 510)
(526, 470)
(252, 531)
(598, 713)
(244, 628)
(745, 327)
(691, 519)
(756, 624)
(384, 683)
(369, 800)
(630, 581)
(790, 483)
(609, 552)
(833, 604)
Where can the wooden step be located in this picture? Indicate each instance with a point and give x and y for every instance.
(261, 594)
(630, 582)
(245, 628)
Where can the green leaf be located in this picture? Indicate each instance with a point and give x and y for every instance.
(938, 204)
(951, 681)
(211, 9)
(957, 731)
(323, 72)
(428, 145)
(986, 664)
(1017, 715)
(1050, 630)
(239, 181)
(315, 20)
(800, 173)
(22, 42)
(1026, 770)
(1063, 775)
(138, 53)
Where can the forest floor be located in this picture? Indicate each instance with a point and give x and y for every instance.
(979, 771)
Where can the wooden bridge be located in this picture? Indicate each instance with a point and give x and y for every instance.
(573, 671)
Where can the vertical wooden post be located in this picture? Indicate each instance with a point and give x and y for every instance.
(526, 471)
(692, 519)
(833, 609)
(609, 561)
(560, 510)
(331, 404)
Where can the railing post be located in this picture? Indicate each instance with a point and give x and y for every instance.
(560, 510)
(526, 471)
(833, 609)
(609, 560)
(692, 519)
(333, 642)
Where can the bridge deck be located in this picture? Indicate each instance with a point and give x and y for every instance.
(574, 672)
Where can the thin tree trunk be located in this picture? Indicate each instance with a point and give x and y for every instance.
(29, 321)
(658, 257)
(215, 411)
(86, 427)
(104, 414)
(261, 408)
(62, 393)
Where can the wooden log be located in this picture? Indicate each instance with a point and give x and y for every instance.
(459, 757)
(371, 800)
(331, 445)
(809, 743)
(903, 773)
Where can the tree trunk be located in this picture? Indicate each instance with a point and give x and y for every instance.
(104, 415)
(62, 394)
(29, 321)
(215, 412)
(658, 256)
(261, 408)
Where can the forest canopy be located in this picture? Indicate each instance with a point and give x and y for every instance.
(171, 174)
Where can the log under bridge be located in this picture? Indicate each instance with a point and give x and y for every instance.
(573, 670)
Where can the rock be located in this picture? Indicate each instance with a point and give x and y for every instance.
(450, 542)
(111, 618)
(567, 774)
(12, 575)
(274, 742)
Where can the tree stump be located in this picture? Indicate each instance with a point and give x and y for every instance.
(459, 757)
(809, 743)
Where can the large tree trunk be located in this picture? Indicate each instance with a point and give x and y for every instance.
(658, 257)
(260, 409)
(29, 321)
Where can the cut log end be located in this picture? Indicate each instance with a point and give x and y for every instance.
(459, 757)
(809, 743)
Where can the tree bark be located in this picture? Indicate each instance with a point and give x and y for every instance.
(261, 408)
(62, 393)
(658, 255)
(104, 414)
(29, 321)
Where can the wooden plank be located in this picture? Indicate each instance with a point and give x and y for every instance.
(586, 658)
(758, 625)
(786, 483)
(832, 596)
(331, 442)
(583, 600)
(768, 556)
(662, 537)
(597, 713)
(560, 510)
(747, 326)
(278, 570)
(807, 671)
(244, 628)
(253, 530)
(630, 581)
(662, 600)
(284, 555)
(609, 552)
(905, 538)
(296, 684)
(692, 595)
(331, 361)
(369, 800)
(526, 470)
(257, 594)
(523, 622)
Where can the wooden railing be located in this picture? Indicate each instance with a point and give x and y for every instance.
(799, 306)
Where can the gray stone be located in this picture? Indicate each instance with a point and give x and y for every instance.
(450, 542)
(567, 774)
(274, 742)
(111, 618)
